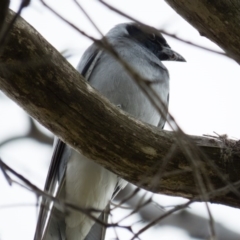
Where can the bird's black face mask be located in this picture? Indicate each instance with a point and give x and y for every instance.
(154, 42)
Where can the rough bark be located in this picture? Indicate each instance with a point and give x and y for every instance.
(218, 20)
(41, 81)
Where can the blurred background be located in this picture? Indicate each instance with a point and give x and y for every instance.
(204, 99)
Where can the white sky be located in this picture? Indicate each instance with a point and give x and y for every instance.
(204, 98)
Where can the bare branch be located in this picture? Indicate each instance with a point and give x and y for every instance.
(217, 20)
(158, 219)
(4, 33)
(184, 219)
(4, 4)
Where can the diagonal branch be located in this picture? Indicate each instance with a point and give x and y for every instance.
(39, 79)
(218, 20)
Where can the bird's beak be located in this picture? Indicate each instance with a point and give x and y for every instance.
(172, 55)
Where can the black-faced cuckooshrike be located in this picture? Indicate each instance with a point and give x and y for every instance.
(80, 180)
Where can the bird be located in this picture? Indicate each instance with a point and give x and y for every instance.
(79, 180)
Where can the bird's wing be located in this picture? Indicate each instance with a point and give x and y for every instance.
(89, 60)
(50, 186)
(51, 220)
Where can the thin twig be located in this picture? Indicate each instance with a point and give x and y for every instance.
(162, 31)
(5, 33)
(88, 17)
(152, 223)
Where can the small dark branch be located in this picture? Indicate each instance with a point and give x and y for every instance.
(7, 177)
(4, 4)
(158, 219)
(5, 32)
(88, 17)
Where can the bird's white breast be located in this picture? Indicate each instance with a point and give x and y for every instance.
(88, 185)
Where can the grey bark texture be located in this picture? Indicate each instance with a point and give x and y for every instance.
(41, 81)
(218, 20)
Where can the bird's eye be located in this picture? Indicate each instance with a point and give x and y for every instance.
(173, 56)
(153, 37)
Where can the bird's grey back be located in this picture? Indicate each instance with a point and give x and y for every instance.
(111, 79)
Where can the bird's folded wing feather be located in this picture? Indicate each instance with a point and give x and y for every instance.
(52, 185)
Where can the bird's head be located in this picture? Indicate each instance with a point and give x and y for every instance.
(149, 38)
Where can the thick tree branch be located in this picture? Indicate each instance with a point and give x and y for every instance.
(41, 81)
(218, 20)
